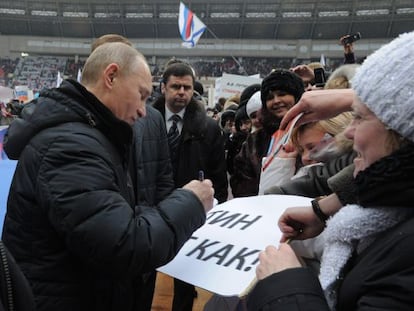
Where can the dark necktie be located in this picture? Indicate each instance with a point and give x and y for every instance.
(173, 137)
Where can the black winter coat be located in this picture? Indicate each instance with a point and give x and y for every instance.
(247, 164)
(15, 292)
(151, 168)
(380, 278)
(201, 147)
(71, 223)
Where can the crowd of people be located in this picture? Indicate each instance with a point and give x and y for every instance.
(112, 179)
(12, 71)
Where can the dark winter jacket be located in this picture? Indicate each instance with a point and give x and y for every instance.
(247, 164)
(380, 278)
(151, 168)
(71, 222)
(233, 146)
(15, 292)
(201, 147)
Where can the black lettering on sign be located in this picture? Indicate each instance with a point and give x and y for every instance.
(201, 248)
(244, 259)
(240, 257)
(221, 254)
(226, 219)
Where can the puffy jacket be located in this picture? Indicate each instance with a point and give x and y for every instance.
(151, 168)
(15, 291)
(71, 222)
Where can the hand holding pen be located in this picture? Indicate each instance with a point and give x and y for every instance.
(203, 189)
(201, 175)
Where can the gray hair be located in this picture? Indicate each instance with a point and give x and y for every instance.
(126, 57)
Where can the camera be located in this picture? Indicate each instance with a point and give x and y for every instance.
(320, 77)
(352, 38)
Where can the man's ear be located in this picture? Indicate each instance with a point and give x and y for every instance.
(162, 88)
(110, 73)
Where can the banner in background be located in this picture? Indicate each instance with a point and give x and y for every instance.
(22, 93)
(229, 85)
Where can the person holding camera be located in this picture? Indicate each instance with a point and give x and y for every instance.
(347, 42)
(312, 75)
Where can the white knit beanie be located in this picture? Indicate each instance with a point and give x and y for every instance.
(385, 84)
(253, 104)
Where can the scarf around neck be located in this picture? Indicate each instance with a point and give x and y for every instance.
(385, 190)
(353, 228)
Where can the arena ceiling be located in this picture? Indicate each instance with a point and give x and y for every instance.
(232, 19)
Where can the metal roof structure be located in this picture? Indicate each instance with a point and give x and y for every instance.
(233, 19)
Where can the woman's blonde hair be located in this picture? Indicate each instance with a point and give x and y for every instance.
(298, 131)
(341, 77)
(333, 126)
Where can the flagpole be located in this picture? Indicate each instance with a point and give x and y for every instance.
(237, 62)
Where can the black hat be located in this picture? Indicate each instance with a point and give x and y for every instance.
(248, 92)
(240, 116)
(198, 87)
(282, 80)
(227, 115)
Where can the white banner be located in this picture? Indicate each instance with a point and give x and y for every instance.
(229, 85)
(222, 255)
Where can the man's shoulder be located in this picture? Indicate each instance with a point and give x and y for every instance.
(152, 124)
(152, 113)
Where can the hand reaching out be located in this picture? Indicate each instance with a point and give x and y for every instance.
(273, 260)
(319, 105)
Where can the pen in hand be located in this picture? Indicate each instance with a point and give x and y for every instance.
(200, 175)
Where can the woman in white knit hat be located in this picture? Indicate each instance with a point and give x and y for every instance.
(368, 258)
(253, 108)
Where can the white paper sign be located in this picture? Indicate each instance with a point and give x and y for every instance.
(229, 85)
(222, 255)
